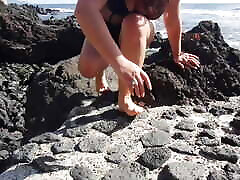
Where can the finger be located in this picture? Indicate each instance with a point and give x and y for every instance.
(194, 62)
(131, 88)
(194, 56)
(136, 88)
(180, 65)
(190, 65)
(185, 59)
(141, 86)
(146, 79)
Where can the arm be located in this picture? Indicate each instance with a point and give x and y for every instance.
(173, 25)
(94, 27)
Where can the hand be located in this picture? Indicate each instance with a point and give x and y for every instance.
(134, 77)
(186, 60)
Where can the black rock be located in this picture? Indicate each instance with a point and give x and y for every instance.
(153, 158)
(168, 115)
(207, 133)
(75, 132)
(182, 148)
(117, 154)
(82, 173)
(220, 153)
(160, 125)
(93, 144)
(199, 109)
(133, 171)
(218, 77)
(45, 138)
(25, 38)
(110, 122)
(183, 135)
(155, 139)
(4, 155)
(26, 154)
(186, 125)
(63, 146)
(205, 141)
(182, 171)
(219, 110)
(3, 146)
(231, 139)
(235, 123)
(182, 112)
(217, 175)
(207, 125)
(46, 164)
(232, 168)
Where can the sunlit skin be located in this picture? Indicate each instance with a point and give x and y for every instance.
(100, 50)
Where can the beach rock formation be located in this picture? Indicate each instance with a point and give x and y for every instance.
(26, 38)
(53, 124)
(217, 78)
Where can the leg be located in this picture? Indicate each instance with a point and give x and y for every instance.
(134, 38)
(91, 64)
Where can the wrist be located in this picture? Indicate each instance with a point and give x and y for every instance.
(116, 65)
(177, 55)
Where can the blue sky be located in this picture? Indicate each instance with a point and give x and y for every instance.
(74, 1)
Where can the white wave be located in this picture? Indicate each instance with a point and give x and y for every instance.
(220, 13)
(236, 9)
(233, 44)
(63, 10)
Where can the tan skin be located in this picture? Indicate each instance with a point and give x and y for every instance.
(100, 50)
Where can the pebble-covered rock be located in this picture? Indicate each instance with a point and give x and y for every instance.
(82, 173)
(45, 138)
(63, 146)
(231, 139)
(183, 148)
(156, 139)
(205, 141)
(153, 158)
(182, 171)
(186, 125)
(220, 153)
(133, 171)
(93, 143)
(27, 153)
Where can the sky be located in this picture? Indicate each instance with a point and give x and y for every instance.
(74, 1)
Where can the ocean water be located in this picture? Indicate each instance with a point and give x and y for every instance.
(226, 15)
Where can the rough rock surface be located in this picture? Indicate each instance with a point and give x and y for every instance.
(54, 126)
(121, 154)
(218, 77)
(26, 38)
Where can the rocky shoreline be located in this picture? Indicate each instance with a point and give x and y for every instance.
(54, 126)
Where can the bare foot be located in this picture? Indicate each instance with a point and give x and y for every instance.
(126, 105)
(101, 83)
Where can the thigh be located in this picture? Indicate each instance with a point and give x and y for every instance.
(90, 60)
(88, 52)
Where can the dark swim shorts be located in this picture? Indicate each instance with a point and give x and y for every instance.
(114, 31)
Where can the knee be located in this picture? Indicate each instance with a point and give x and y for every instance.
(85, 69)
(136, 26)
